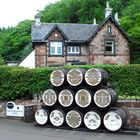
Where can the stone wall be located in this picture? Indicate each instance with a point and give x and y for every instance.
(97, 47)
(132, 106)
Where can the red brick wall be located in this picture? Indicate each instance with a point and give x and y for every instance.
(40, 55)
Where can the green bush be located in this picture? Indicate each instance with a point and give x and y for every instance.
(22, 83)
(16, 82)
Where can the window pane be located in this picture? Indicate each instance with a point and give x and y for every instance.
(73, 49)
(59, 44)
(52, 50)
(69, 49)
(77, 49)
(52, 44)
(109, 48)
(59, 50)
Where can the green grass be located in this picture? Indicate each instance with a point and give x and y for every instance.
(129, 98)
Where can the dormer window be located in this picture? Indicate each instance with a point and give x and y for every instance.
(109, 29)
(56, 48)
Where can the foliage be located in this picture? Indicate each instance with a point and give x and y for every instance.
(1, 60)
(22, 83)
(18, 82)
(131, 23)
(14, 42)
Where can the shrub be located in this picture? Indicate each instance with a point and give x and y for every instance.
(16, 82)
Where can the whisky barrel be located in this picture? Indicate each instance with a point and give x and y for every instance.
(83, 98)
(92, 120)
(96, 76)
(49, 97)
(57, 117)
(115, 119)
(105, 97)
(58, 77)
(75, 76)
(65, 97)
(41, 116)
(74, 118)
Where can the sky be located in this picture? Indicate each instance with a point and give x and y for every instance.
(14, 11)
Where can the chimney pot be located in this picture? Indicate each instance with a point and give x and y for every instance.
(37, 20)
(108, 10)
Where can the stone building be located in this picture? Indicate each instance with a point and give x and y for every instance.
(58, 44)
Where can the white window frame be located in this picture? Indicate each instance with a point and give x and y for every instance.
(73, 50)
(55, 45)
(111, 45)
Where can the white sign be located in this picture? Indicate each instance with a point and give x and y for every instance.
(14, 110)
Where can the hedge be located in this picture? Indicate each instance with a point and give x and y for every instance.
(17, 83)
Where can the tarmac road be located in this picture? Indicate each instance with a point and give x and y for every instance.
(19, 130)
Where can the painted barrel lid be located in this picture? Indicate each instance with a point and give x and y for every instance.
(93, 77)
(75, 77)
(102, 98)
(65, 98)
(49, 97)
(112, 121)
(83, 98)
(92, 120)
(57, 78)
(73, 119)
(57, 117)
(41, 116)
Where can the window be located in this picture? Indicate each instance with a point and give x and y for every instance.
(109, 29)
(73, 49)
(55, 48)
(109, 47)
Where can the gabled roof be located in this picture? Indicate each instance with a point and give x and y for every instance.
(56, 27)
(110, 17)
(78, 33)
(72, 32)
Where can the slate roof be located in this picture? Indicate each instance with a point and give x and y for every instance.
(71, 32)
(110, 17)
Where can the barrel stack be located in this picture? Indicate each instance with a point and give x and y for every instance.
(81, 98)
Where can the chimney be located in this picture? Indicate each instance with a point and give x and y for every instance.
(117, 17)
(94, 21)
(108, 10)
(37, 20)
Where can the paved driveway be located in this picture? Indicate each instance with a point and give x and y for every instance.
(19, 130)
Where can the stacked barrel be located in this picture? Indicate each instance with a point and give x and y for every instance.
(81, 98)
